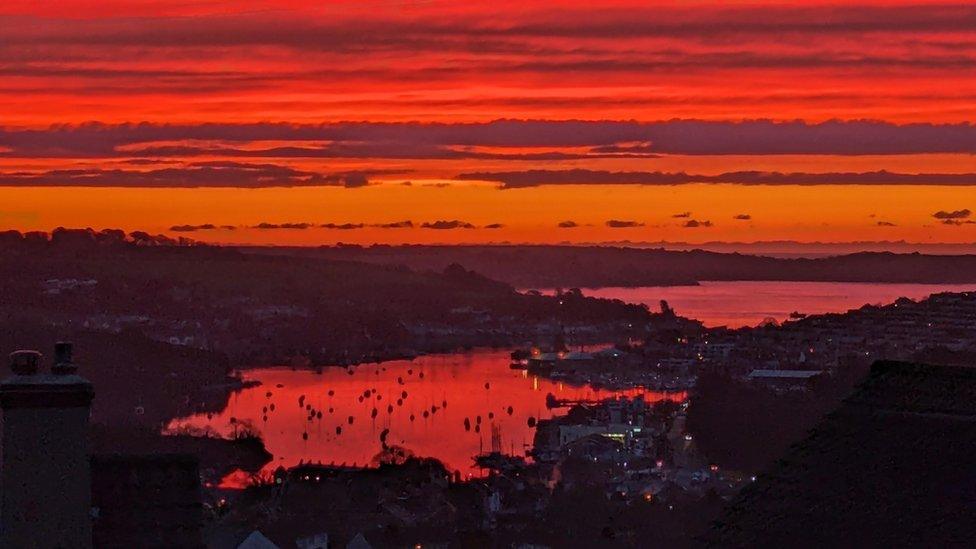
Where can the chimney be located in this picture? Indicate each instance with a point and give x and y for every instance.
(46, 472)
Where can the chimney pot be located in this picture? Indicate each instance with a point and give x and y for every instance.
(24, 363)
(63, 364)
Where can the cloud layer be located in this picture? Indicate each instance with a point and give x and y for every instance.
(197, 174)
(623, 224)
(602, 138)
(533, 178)
(562, 59)
(261, 102)
(266, 226)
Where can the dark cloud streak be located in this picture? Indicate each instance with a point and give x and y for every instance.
(447, 225)
(954, 217)
(955, 214)
(623, 224)
(533, 178)
(454, 140)
(201, 174)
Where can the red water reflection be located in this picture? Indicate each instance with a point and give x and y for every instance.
(423, 403)
(736, 304)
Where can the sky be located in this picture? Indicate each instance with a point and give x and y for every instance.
(292, 122)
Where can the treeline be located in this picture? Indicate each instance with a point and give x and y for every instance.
(86, 237)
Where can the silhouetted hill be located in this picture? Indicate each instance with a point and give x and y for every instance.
(272, 308)
(596, 266)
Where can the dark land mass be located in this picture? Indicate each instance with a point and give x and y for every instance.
(159, 325)
(529, 266)
(272, 309)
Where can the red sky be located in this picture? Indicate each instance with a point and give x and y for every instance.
(763, 121)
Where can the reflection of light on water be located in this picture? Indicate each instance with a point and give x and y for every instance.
(747, 303)
(334, 422)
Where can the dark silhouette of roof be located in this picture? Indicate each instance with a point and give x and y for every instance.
(893, 466)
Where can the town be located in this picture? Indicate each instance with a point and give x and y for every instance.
(623, 459)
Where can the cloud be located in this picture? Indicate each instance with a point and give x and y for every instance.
(694, 223)
(273, 226)
(203, 227)
(682, 214)
(622, 224)
(641, 149)
(951, 215)
(954, 217)
(393, 150)
(342, 226)
(957, 222)
(298, 226)
(596, 57)
(443, 225)
(742, 217)
(583, 37)
(469, 140)
(434, 29)
(353, 180)
(532, 178)
(886, 224)
(198, 174)
(493, 226)
(567, 224)
(407, 224)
